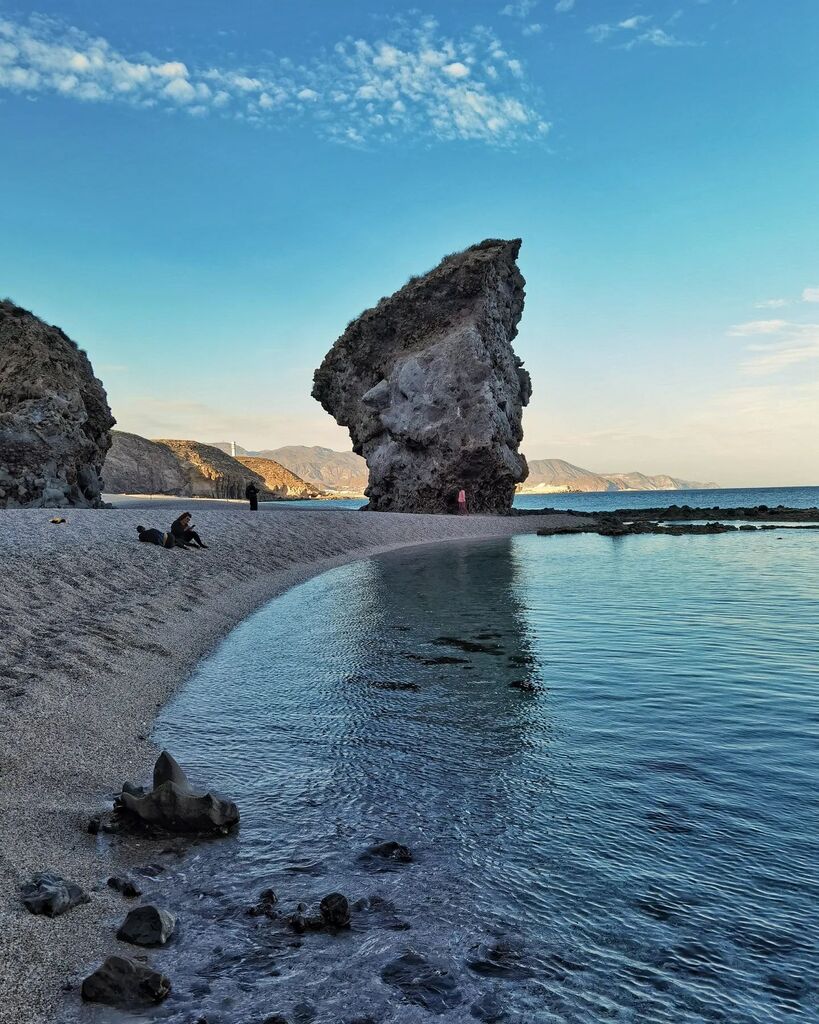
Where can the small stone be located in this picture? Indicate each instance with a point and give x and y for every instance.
(94, 825)
(335, 910)
(265, 907)
(130, 890)
(123, 983)
(391, 851)
(52, 895)
(147, 926)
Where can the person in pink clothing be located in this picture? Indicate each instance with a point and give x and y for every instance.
(462, 502)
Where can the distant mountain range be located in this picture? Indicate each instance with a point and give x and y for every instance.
(346, 473)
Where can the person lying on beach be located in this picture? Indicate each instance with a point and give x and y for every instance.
(153, 536)
(183, 533)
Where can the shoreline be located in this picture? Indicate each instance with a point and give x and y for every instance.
(102, 632)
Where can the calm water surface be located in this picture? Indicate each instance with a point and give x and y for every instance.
(591, 501)
(636, 841)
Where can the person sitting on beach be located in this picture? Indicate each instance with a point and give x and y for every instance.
(183, 533)
(153, 536)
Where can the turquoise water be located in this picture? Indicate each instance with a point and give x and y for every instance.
(737, 497)
(635, 839)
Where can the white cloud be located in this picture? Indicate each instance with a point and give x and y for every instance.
(519, 9)
(810, 295)
(417, 82)
(636, 31)
(564, 5)
(771, 304)
(785, 344)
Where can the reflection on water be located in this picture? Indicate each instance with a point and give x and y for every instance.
(635, 839)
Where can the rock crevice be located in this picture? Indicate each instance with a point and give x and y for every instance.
(430, 388)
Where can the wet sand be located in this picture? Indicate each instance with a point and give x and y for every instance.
(98, 631)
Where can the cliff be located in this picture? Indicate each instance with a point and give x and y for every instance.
(277, 479)
(430, 388)
(135, 465)
(55, 423)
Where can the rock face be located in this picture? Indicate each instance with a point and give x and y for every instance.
(135, 465)
(211, 473)
(430, 388)
(55, 422)
(277, 479)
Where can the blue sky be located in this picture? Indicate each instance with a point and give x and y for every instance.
(204, 194)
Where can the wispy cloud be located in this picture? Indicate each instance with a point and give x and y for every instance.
(786, 344)
(564, 5)
(810, 295)
(634, 31)
(771, 304)
(416, 81)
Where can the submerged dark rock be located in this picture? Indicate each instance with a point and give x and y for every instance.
(423, 982)
(469, 646)
(129, 889)
(174, 806)
(147, 926)
(430, 388)
(266, 905)
(51, 895)
(391, 851)
(125, 984)
(335, 910)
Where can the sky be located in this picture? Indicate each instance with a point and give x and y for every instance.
(204, 194)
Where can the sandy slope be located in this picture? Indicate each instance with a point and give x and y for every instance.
(97, 631)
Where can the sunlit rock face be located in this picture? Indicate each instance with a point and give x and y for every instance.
(55, 423)
(430, 388)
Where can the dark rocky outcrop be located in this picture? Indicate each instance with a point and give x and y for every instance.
(125, 984)
(129, 889)
(430, 388)
(55, 423)
(147, 926)
(278, 480)
(174, 806)
(51, 895)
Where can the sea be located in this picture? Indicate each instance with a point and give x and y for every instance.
(598, 501)
(601, 753)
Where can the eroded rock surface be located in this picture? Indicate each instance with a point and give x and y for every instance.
(126, 984)
(430, 388)
(174, 806)
(51, 894)
(135, 465)
(55, 423)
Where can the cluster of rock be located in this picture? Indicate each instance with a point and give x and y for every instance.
(171, 806)
(278, 480)
(55, 422)
(430, 388)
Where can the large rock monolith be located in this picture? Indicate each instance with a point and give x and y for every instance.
(55, 423)
(430, 388)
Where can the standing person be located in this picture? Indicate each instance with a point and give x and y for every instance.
(183, 533)
(462, 502)
(252, 495)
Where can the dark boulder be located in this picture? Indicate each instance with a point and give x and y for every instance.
(391, 851)
(335, 910)
(125, 984)
(266, 905)
(147, 926)
(174, 806)
(51, 895)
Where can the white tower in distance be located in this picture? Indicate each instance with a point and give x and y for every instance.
(233, 449)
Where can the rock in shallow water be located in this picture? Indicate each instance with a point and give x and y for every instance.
(125, 984)
(52, 895)
(422, 982)
(174, 806)
(147, 926)
(430, 388)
